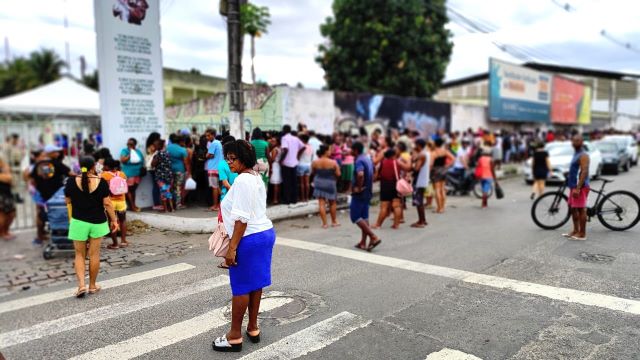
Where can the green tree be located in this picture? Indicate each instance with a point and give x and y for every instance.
(386, 46)
(91, 80)
(46, 64)
(255, 21)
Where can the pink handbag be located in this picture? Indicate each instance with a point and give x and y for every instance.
(219, 241)
(402, 186)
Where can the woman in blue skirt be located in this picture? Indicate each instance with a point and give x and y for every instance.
(244, 213)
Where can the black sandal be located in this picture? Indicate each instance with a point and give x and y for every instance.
(223, 265)
(372, 246)
(221, 344)
(254, 339)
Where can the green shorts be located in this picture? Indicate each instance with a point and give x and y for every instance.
(82, 231)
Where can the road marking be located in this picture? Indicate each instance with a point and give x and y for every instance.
(310, 339)
(173, 334)
(75, 321)
(449, 354)
(67, 293)
(551, 292)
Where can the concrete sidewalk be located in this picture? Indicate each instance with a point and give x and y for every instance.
(199, 220)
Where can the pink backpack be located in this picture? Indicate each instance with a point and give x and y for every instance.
(118, 185)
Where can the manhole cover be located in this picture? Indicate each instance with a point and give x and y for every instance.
(298, 305)
(595, 258)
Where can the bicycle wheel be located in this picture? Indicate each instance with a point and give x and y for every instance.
(477, 190)
(551, 210)
(619, 210)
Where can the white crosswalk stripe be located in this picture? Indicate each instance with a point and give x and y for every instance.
(310, 339)
(75, 321)
(450, 354)
(172, 334)
(27, 302)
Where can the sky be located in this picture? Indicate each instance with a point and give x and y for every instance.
(194, 35)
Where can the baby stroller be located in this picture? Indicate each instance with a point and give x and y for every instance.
(58, 221)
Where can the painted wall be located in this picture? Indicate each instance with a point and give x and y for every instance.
(311, 107)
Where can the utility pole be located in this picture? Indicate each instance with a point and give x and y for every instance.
(234, 78)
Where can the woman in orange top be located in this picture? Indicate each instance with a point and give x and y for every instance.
(111, 169)
(485, 172)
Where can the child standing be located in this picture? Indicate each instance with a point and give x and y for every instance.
(118, 189)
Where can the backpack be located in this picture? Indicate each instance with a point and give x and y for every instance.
(118, 185)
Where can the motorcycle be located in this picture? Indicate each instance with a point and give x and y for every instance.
(461, 181)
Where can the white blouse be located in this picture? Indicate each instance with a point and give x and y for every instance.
(246, 201)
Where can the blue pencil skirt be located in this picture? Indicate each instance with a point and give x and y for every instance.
(253, 271)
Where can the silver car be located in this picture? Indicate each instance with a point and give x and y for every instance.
(560, 156)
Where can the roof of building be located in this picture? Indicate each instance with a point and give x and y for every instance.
(64, 96)
(569, 70)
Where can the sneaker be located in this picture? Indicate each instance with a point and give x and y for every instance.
(37, 242)
(158, 208)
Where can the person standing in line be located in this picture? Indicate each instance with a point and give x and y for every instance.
(578, 184)
(7, 204)
(461, 163)
(252, 237)
(164, 176)
(304, 169)
(439, 168)
(110, 171)
(180, 167)
(262, 149)
(151, 152)
(347, 166)
(88, 196)
(361, 194)
(214, 155)
(314, 141)
(227, 177)
(326, 173)
(421, 163)
(486, 172)
(132, 163)
(275, 179)
(390, 202)
(292, 148)
(540, 168)
(48, 176)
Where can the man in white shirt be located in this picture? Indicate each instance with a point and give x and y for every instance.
(292, 148)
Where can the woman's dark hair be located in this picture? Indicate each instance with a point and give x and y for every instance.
(86, 163)
(227, 139)
(322, 150)
(112, 164)
(402, 146)
(103, 153)
(152, 138)
(174, 138)
(439, 142)
(243, 150)
(203, 141)
(257, 134)
(304, 138)
(389, 153)
(134, 141)
(358, 147)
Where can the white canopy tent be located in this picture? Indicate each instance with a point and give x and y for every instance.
(61, 97)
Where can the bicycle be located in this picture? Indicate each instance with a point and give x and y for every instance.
(618, 210)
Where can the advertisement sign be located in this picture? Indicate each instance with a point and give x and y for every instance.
(130, 68)
(584, 117)
(517, 93)
(568, 101)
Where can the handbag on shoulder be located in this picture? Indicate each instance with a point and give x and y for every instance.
(403, 187)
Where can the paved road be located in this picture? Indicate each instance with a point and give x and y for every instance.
(474, 284)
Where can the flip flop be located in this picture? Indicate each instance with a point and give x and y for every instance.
(124, 245)
(357, 246)
(373, 246)
(419, 226)
(335, 225)
(567, 235)
(81, 292)
(96, 290)
(113, 247)
(578, 238)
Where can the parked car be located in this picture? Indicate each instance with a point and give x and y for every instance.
(614, 156)
(560, 155)
(628, 143)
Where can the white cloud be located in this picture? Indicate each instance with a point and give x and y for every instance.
(194, 34)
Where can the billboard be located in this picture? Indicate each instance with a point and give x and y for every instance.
(517, 93)
(130, 67)
(569, 103)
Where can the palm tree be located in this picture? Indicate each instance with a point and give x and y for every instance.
(46, 65)
(16, 76)
(255, 20)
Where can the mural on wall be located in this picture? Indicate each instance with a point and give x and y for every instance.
(313, 108)
(385, 111)
(263, 109)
